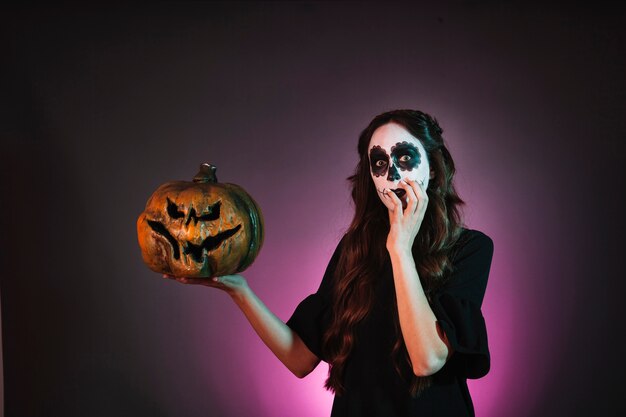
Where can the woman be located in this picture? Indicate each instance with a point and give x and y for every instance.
(397, 315)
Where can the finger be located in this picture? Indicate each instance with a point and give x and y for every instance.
(225, 282)
(190, 280)
(420, 191)
(225, 279)
(218, 282)
(411, 196)
(396, 212)
(422, 196)
(385, 199)
(170, 276)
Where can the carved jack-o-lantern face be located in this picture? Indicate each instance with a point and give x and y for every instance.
(200, 228)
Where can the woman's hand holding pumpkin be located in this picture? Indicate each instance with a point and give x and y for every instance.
(233, 284)
(405, 223)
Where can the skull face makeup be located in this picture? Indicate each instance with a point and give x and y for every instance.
(394, 155)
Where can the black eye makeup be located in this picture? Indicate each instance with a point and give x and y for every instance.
(379, 161)
(405, 156)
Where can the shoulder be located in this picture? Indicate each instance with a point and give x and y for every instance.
(329, 275)
(471, 263)
(472, 243)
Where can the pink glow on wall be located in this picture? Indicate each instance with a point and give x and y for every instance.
(243, 370)
(244, 375)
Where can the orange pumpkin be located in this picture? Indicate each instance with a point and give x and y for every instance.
(200, 228)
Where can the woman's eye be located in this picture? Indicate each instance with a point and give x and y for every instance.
(405, 158)
(381, 163)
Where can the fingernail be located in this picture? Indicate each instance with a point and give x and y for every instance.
(214, 279)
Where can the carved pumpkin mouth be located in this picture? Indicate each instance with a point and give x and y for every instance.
(208, 244)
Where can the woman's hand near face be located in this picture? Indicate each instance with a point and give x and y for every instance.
(404, 224)
(427, 348)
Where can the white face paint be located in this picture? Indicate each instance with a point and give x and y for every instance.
(394, 155)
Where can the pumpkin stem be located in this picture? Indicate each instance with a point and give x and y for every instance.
(206, 173)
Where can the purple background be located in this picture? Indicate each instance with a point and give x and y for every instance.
(102, 105)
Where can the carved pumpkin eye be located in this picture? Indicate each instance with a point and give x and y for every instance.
(221, 232)
(213, 214)
(172, 210)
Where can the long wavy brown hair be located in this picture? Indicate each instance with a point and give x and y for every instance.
(364, 251)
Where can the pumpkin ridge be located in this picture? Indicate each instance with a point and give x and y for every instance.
(255, 229)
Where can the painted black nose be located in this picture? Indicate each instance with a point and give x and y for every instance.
(394, 175)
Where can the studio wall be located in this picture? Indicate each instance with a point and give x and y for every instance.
(103, 104)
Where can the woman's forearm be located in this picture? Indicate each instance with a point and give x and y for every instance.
(426, 344)
(277, 336)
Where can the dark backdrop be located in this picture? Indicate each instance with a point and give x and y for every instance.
(100, 105)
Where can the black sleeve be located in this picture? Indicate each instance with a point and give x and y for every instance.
(457, 305)
(312, 316)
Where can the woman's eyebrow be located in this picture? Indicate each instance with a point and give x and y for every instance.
(378, 150)
(404, 145)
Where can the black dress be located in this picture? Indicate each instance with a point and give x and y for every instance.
(373, 387)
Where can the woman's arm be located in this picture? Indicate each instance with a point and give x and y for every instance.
(282, 341)
(426, 343)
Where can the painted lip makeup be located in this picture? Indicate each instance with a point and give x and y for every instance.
(400, 192)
